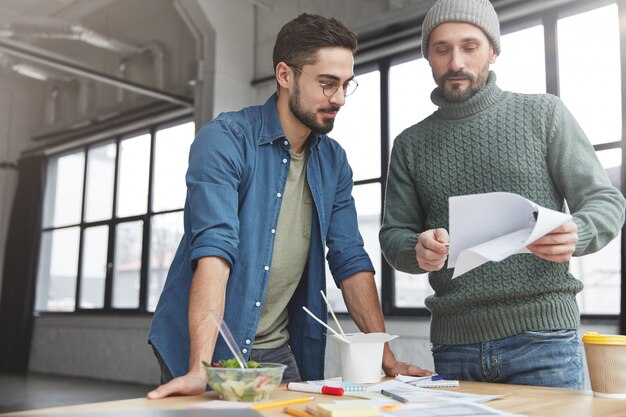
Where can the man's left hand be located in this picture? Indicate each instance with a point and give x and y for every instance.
(558, 245)
(404, 368)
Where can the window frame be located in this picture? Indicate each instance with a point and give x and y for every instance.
(113, 221)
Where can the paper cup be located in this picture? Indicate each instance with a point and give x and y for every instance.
(606, 360)
(362, 356)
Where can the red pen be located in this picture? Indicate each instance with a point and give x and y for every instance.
(318, 389)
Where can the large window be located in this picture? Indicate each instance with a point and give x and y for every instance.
(357, 130)
(535, 52)
(591, 89)
(112, 221)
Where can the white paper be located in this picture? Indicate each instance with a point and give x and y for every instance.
(428, 395)
(447, 409)
(493, 226)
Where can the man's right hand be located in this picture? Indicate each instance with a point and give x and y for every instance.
(430, 252)
(189, 384)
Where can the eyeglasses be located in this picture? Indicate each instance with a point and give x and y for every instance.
(329, 88)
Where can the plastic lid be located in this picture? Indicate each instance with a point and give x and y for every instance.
(595, 338)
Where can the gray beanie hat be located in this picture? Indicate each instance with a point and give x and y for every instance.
(477, 12)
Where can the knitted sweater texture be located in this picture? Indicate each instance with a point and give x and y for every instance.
(497, 141)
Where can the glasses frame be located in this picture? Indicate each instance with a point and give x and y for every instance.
(330, 88)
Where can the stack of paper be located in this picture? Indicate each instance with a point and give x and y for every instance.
(493, 226)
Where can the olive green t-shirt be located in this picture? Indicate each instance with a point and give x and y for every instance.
(291, 252)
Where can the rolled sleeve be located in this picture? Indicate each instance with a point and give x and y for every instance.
(213, 177)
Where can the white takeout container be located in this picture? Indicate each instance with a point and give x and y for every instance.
(362, 356)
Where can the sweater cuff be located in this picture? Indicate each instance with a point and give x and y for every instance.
(405, 259)
(585, 234)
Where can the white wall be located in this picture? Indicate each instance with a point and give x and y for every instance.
(111, 348)
(233, 64)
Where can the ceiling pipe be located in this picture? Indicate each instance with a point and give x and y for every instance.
(59, 62)
(49, 28)
(31, 71)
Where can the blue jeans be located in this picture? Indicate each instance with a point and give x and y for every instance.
(544, 358)
(282, 355)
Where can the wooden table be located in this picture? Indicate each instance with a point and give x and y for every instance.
(520, 399)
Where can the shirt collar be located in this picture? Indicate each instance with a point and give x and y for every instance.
(272, 129)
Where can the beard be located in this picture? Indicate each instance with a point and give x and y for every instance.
(309, 117)
(455, 93)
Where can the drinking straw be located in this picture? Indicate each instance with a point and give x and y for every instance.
(228, 337)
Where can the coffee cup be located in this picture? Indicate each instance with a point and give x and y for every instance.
(606, 361)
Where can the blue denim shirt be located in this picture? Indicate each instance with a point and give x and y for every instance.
(238, 167)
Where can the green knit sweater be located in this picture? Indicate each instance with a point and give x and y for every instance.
(497, 141)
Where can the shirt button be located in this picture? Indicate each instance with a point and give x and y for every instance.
(279, 195)
(244, 350)
(258, 303)
(285, 161)
(267, 268)
(247, 341)
(273, 231)
(286, 142)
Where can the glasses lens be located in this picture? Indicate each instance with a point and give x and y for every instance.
(331, 88)
(350, 87)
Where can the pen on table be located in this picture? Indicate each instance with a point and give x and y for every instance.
(394, 396)
(297, 413)
(437, 377)
(318, 389)
(281, 403)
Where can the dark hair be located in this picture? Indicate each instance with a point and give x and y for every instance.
(299, 40)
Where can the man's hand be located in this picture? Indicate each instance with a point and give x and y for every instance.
(403, 368)
(393, 367)
(558, 245)
(189, 384)
(430, 251)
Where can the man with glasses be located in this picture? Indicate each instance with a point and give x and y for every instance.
(513, 321)
(268, 192)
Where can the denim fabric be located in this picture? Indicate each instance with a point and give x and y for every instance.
(282, 355)
(238, 165)
(546, 358)
(166, 376)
